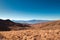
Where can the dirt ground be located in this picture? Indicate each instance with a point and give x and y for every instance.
(30, 35)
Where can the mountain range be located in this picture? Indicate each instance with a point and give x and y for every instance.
(8, 25)
(30, 21)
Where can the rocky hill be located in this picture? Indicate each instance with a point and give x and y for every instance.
(7, 25)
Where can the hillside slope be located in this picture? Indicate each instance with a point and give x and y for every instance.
(7, 25)
(47, 25)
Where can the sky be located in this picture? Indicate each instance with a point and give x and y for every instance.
(30, 9)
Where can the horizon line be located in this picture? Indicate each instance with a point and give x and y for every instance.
(30, 19)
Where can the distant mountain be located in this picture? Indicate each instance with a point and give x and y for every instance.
(30, 21)
(8, 25)
(19, 21)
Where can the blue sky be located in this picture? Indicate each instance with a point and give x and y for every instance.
(30, 9)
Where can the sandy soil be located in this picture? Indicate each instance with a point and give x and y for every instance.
(30, 35)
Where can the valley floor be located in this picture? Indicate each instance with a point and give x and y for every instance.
(30, 35)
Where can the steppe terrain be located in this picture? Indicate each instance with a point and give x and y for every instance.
(30, 35)
(41, 31)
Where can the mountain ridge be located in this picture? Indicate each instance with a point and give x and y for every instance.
(30, 21)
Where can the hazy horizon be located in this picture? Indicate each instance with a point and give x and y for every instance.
(30, 9)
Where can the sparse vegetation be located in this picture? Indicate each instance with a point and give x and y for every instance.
(29, 32)
(35, 35)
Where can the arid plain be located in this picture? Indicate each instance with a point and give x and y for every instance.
(40, 31)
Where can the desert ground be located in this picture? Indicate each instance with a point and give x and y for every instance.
(30, 35)
(41, 31)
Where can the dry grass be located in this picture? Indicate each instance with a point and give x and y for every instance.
(47, 25)
(30, 35)
(43, 31)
